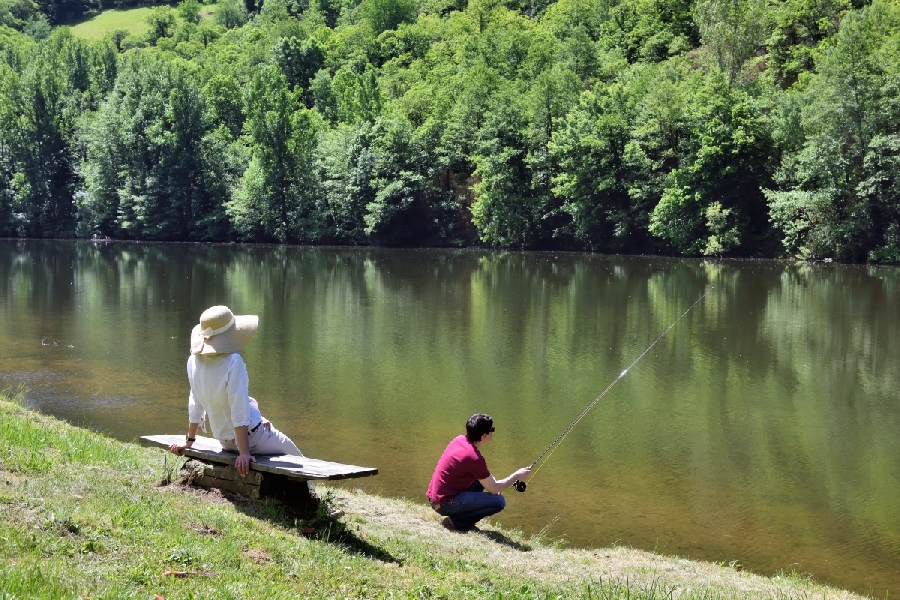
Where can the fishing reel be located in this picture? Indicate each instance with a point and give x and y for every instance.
(519, 485)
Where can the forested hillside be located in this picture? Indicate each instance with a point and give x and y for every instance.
(713, 127)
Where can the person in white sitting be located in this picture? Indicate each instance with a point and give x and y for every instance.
(220, 390)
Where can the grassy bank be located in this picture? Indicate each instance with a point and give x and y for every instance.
(82, 515)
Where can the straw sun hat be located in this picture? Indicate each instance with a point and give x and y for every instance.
(222, 332)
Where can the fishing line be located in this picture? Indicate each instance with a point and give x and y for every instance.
(520, 485)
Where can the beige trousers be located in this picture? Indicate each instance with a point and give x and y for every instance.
(266, 440)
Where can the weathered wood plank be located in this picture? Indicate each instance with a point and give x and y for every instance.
(301, 468)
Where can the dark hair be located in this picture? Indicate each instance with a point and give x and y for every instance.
(478, 425)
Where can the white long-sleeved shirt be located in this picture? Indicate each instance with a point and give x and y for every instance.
(220, 389)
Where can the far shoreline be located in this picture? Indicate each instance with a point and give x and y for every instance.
(473, 248)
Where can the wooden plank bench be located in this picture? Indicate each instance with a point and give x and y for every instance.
(280, 475)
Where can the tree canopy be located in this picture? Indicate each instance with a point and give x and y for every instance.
(712, 127)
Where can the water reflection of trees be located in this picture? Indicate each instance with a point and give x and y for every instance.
(834, 331)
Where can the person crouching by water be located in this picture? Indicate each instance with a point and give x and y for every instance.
(220, 390)
(461, 478)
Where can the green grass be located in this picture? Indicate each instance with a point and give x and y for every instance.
(133, 20)
(82, 515)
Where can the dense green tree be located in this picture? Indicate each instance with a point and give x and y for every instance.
(838, 198)
(796, 29)
(18, 13)
(596, 155)
(650, 30)
(459, 128)
(189, 11)
(160, 24)
(38, 28)
(41, 106)
(506, 211)
(408, 207)
(382, 15)
(725, 161)
(277, 195)
(41, 138)
(323, 96)
(356, 96)
(345, 167)
(62, 11)
(8, 92)
(610, 125)
(352, 47)
(732, 31)
(230, 14)
(224, 103)
(300, 61)
(564, 17)
(326, 11)
(150, 161)
(550, 97)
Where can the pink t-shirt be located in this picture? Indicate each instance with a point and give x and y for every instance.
(460, 465)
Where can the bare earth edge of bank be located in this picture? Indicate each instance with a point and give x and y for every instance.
(83, 515)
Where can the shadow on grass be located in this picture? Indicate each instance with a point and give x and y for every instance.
(499, 538)
(294, 507)
(331, 529)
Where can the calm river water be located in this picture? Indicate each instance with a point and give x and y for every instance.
(764, 428)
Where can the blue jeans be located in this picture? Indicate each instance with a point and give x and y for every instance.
(467, 508)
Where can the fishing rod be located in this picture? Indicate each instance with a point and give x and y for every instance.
(519, 484)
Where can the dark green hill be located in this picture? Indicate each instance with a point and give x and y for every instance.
(719, 127)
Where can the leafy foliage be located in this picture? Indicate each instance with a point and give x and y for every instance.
(838, 198)
(150, 156)
(276, 195)
(230, 14)
(719, 127)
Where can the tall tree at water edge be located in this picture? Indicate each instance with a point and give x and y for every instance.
(840, 171)
(599, 162)
(528, 97)
(45, 89)
(277, 195)
(149, 156)
(711, 202)
(8, 84)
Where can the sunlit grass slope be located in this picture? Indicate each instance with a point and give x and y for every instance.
(132, 20)
(82, 515)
